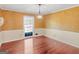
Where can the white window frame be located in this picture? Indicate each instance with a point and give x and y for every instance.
(24, 18)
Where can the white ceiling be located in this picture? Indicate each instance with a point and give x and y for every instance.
(34, 8)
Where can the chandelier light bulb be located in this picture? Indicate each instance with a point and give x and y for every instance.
(40, 17)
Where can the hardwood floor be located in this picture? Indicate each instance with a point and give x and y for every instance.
(56, 47)
(14, 47)
(41, 45)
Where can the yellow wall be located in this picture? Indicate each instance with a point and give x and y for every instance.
(14, 20)
(64, 20)
(39, 23)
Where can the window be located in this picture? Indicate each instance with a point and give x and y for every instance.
(28, 24)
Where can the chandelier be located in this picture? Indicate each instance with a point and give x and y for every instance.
(39, 12)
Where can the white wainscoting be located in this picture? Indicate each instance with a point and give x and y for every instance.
(1, 39)
(68, 37)
(71, 38)
(40, 31)
(11, 35)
